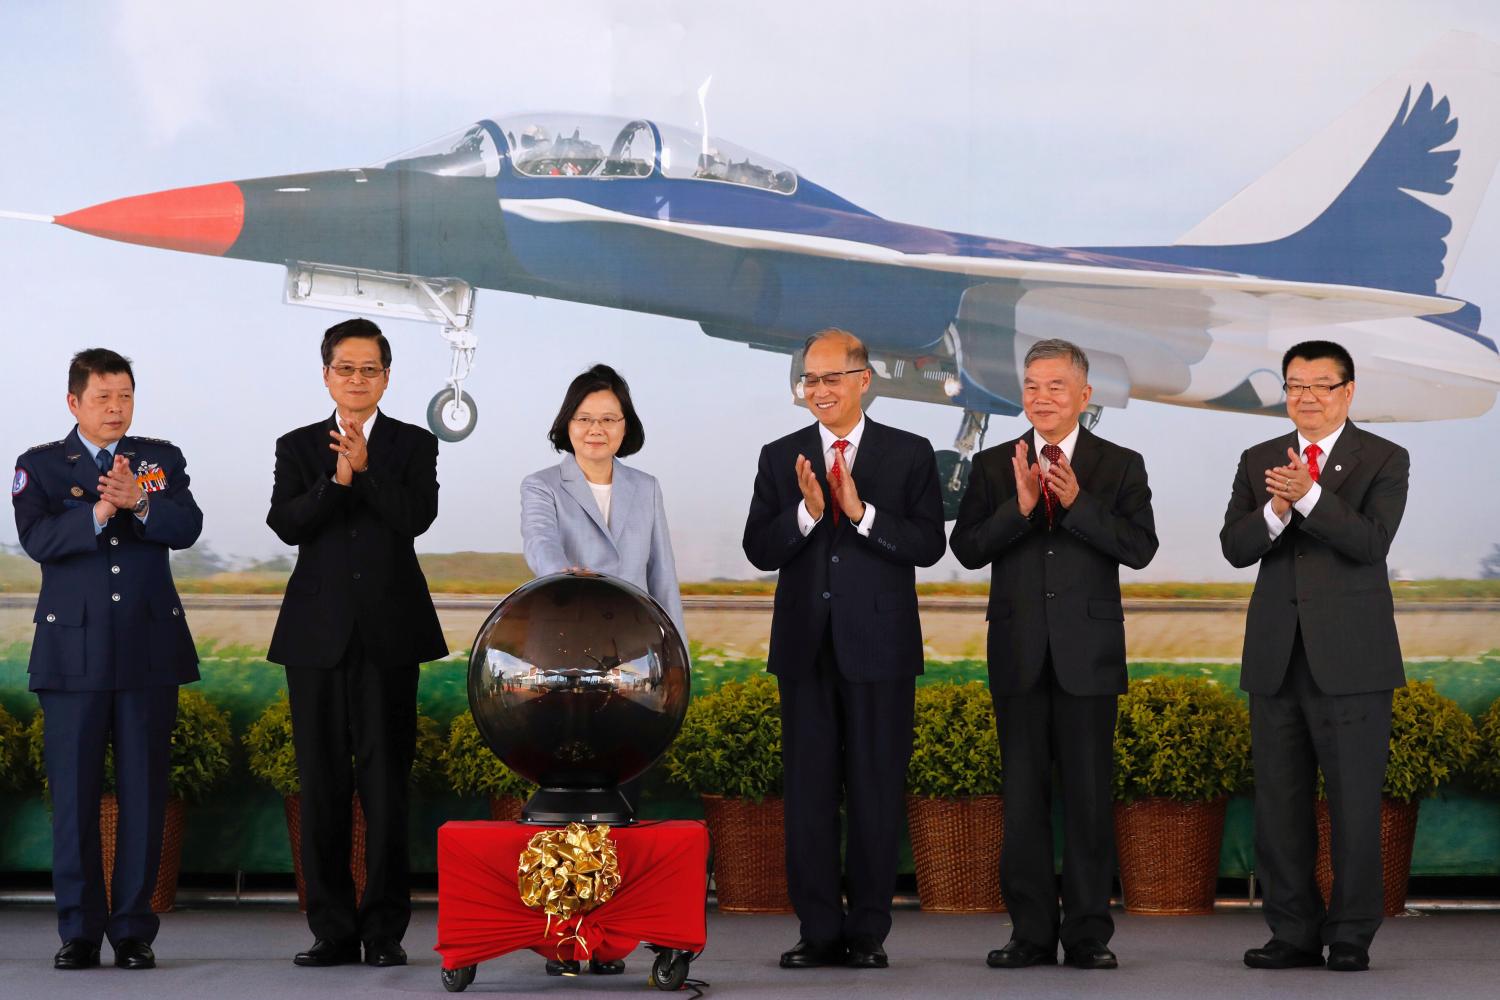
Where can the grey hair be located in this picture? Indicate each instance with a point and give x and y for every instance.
(1054, 348)
(858, 355)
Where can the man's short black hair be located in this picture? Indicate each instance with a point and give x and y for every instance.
(96, 361)
(357, 327)
(1315, 350)
(597, 379)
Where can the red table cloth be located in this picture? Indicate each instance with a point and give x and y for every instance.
(663, 885)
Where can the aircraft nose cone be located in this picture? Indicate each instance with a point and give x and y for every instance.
(206, 219)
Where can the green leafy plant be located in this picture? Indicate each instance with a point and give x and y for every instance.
(955, 751)
(730, 743)
(16, 771)
(1432, 741)
(273, 760)
(1181, 738)
(1486, 767)
(200, 748)
(473, 769)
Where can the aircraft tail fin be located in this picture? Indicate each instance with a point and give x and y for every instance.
(1373, 200)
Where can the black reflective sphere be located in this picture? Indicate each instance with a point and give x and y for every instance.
(578, 681)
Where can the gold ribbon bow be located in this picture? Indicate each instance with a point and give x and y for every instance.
(566, 873)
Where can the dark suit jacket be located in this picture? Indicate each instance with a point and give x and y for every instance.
(1326, 572)
(107, 617)
(1057, 588)
(866, 585)
(356, 565)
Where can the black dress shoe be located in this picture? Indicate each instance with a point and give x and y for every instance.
(563, 967)
(1018, 954)
(807, 954)
(1090, 954)
(324, 953)
(133, 953)
(77, 954)
(384, 953)
(1278, 954)
(1347, 957)
(613, 967)
(866, 953)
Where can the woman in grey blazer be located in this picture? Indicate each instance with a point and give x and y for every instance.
(591, 512)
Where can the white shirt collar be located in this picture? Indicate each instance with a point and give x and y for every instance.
(1067, 445)
(369, 422)
(1326, 444)
(828, 437)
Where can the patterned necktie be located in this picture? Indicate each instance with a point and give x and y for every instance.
(105, 461)
(1052, 453)
(835, 477)
(1313, 451)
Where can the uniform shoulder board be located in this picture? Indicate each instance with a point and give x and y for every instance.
(164, 441)
(42, 447)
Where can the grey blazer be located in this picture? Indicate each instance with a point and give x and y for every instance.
(562, 526)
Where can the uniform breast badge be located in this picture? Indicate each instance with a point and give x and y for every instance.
(150, 477)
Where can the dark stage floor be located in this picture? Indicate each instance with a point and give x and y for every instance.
(235, 953)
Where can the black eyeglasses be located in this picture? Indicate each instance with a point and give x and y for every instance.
(829, 379)
(364, 371)
(1320, 390)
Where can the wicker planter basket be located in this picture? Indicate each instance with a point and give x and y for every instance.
(506, 810)
(356, 848)
(1398, 831)
(749, 848)
(955, 847)
(1169, 854)
(164, 895)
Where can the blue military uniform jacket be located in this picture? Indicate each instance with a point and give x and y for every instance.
(108, 616)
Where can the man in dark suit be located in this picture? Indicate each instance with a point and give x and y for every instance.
(846, 643)
(1055, 532)
(1317, 509)
(100, 510)
(352, 493)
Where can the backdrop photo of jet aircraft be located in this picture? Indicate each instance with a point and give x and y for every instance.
(1353, 237)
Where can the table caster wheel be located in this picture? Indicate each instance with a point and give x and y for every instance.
(669, 971)
(458, 980)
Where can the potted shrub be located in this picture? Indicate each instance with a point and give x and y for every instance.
(473, 770)
(15, 754)
(729, 752)
(1486, 767)
(1432, 741)
(273, 760)
(199, 760)
(953, 805)
(1182, 747)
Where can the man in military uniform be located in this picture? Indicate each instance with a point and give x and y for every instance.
(99, 510)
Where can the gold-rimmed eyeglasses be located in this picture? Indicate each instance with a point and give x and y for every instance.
(608, 423)
(363, 371)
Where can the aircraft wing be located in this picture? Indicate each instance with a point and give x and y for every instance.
(1201, 299)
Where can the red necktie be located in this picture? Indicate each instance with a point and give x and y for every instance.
(1313, 451)
(1052, 453)
(835, 477)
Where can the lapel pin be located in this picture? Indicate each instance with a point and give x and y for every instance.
(78, 491)
(1338, 468)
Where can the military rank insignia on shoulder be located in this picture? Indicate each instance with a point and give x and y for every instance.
(42, 447)
(164, 441)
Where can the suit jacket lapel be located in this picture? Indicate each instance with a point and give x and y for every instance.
(578, 488)
(1085, 456)
(382, 436)
(622, 501)
(867, 461)
(328, 459)
(1339, 463)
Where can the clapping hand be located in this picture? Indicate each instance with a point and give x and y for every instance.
(1028, 480)
(1063, 482)
(812, 493)
(1288, 483)
(845, 493)
(118, 490)
(353, 451)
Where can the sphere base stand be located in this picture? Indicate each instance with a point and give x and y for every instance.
(559, 806)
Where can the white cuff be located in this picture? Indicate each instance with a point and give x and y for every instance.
(1309, 500)
(1276, 525)
(865, 523)
(805, 521)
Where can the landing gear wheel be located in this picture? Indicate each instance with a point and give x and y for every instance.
(953, 477)
(458, 980)
(670, 970)
(452, 419)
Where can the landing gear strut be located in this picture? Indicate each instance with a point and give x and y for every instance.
(953, 466)
(452, 413)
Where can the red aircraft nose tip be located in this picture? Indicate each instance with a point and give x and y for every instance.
(205, 219)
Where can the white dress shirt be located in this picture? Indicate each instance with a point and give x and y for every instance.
(805, 521)
(1276, 525)
(601, 493)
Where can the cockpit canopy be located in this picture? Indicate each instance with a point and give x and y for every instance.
(595, 146)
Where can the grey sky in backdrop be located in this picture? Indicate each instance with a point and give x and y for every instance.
(1073, 123)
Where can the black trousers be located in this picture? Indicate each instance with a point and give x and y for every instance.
(1038, 728)
(1294, 733)
(354, 729)
(79, 726)
(846, 740)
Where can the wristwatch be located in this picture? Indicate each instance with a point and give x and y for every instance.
(142, 505)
